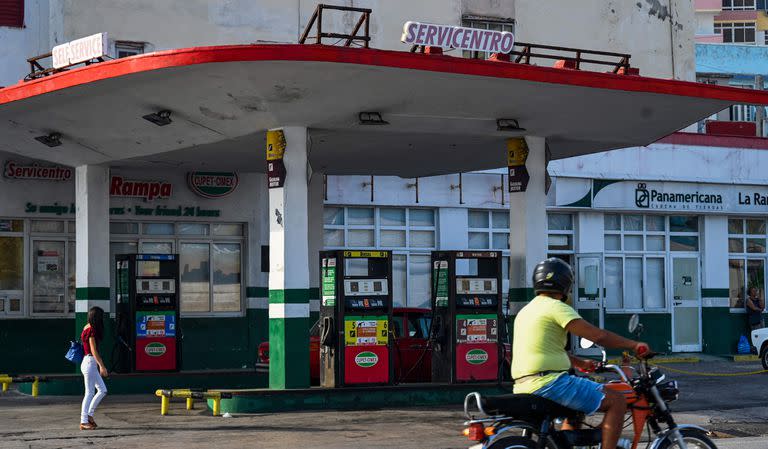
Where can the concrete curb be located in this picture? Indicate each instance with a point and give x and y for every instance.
(662, 360)
(746, 358)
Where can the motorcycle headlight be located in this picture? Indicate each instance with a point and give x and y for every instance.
(669, 391)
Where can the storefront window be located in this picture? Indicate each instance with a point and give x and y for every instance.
(226, 277)
(123, 228)
(195, 277)
(746, 247)
(488, 229)
(410, 233)
(157, 229)
(11, 263)
(193, 229)
(560, 233)
(233, 230)
(47, 226)
(635, 272)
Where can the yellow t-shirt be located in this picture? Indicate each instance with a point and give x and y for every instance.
(539, 340)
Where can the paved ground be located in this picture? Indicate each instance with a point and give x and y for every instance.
(734, 407)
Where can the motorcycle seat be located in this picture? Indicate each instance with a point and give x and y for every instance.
(525, 406)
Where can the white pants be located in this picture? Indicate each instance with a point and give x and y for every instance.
(93, 380)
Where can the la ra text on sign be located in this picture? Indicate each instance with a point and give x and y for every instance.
(448, 36)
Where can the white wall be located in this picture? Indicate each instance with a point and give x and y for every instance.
(661, 161)
(647, 29)
(18, 44)
(648, 32)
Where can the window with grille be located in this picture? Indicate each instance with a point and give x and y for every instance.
(12, 13)
(485, 23)
(736, 32)
(410, 233)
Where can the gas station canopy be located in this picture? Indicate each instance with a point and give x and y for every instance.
(441, 112)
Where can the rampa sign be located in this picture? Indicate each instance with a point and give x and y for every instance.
(448, 36)
(80, 50)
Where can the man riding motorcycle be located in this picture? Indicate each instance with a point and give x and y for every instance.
(540, 363)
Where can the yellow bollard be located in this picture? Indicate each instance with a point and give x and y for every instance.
(36, 387)
(164, 404)
(5, 387)
(190, 404)
(216, 406)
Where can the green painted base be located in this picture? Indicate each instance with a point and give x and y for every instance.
(148, 383)
(360, 398)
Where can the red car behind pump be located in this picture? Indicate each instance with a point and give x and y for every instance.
(413, 356)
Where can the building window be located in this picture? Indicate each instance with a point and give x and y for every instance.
(12, 13)
(485, 23)
(489, 229)
(737, 5)
(636, 248)
(410, 233)
(746, 260)
(210, 260)
(736, 32)
(123, 49)
(11, 267)
(560, 233)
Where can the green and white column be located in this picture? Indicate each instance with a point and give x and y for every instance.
(92, 246)
(527, 226)
(289, 266)
(256, 292)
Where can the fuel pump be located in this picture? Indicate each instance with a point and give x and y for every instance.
(355, 318)
(466, 302)
(147, 312)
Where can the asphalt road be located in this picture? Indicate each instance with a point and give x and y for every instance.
(733, 407)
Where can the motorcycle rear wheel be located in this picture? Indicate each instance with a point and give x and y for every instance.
(694, 439)
(513, 442)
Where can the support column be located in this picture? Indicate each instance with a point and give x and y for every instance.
(720, 328)
(289, 265)
(92, 246)
(315, 208)
(256, 292)
(527, 227)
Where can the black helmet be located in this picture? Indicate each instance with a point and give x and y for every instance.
(552, 275)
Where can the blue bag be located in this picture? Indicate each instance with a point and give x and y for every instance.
(75, 352)
(743, 347)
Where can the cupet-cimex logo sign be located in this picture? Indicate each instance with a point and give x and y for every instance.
(642, 196)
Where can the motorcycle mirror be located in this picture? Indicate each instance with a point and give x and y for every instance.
(586, 344)
(634, 322)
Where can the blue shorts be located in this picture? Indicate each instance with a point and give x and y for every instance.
(576, 393)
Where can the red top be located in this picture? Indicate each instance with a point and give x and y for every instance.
(85, 338)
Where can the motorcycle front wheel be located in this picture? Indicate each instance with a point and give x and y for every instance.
(694, 439)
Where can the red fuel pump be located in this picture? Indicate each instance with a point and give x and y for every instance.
(468, 328)
(355, 318)
(147, 312)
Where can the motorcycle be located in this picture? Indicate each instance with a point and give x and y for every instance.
(526, 421)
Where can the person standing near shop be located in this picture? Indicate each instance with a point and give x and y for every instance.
(755, 306)
(92, 367)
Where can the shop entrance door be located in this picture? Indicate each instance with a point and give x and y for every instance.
(588, 295)
(686, 304)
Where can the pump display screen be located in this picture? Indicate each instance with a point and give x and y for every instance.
(366, 287)
(364, 303)
(476, 286)
(144, 286)
(148, 268)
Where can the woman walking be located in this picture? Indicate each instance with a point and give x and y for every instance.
(92, 367)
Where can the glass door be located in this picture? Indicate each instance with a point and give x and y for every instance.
(686, 304)
(589, 294)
